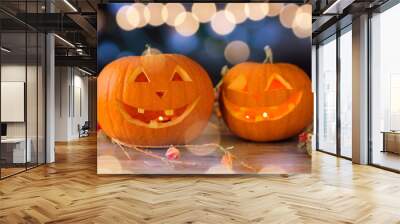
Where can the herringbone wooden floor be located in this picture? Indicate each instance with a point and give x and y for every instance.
(69, 191)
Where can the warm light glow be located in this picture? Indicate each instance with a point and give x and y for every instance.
(223, 22)
(186, 24)
(160, 118)
(256, 11)
(204, 11)
(156, 15)
(171, 11)
(265, 114)
(302, 23)
(122, 18)
(274, 9)
(288, 14)
(144, 14)
(307, 8)
(133, 16)
(247, 117)
(238, 11)
(236, 52)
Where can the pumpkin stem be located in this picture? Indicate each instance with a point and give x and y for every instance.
(150, 51)
(224, 70)
(268, 55)
(147, 50)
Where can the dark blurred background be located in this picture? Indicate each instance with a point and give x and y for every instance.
(205, 46)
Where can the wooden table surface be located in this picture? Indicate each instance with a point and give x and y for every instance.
(258, 158)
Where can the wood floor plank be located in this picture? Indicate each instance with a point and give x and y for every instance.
(70, 191)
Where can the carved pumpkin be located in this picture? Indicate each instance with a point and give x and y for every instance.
(266, 102)
(154, 99)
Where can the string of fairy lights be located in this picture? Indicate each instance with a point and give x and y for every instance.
(223, 22)
(186, 22)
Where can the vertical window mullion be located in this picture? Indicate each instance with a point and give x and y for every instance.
(338, 80)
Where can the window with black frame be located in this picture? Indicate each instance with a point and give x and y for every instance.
(345, 92)
(385, 89)
(326, 101)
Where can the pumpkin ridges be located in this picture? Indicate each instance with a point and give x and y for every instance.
(129, 133)
(304, 81)
(104, 111)
(111, 94)
(130, 65)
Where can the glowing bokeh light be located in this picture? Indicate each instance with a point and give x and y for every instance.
(186, 24)
(204, 11)
(143, 14)
(302, 24)
(236, 52)
(223, 22)
(238, 11)
(307, 8)
(171, 11)
(274, 9)
(122, 18)
(256, 11)
(156, 15)
(288, 15)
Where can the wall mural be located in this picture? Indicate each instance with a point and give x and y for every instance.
(204, 88)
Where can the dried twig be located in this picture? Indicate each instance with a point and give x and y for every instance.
(172, 162)
(149, 153)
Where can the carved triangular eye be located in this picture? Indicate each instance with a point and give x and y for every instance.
(176, 77)
(180, 75)
(278, 82)
(141, 77)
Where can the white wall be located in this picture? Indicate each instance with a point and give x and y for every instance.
(15, 72)
(71, 102)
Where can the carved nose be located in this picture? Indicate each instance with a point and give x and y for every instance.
(160, 93)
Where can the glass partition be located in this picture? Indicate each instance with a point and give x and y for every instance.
(22, 91)
(385, 89)
(327, 96)
(346, 94)
(13, 104)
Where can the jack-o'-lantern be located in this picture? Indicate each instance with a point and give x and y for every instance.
(266, 101)
(154, 99)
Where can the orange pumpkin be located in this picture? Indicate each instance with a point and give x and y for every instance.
(266, 102)
(154, 99)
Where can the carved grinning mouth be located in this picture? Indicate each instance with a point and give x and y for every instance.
(266, 113)
(156, 118)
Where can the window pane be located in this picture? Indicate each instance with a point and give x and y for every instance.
(346, 94)
(385, 84)
(327, 97)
